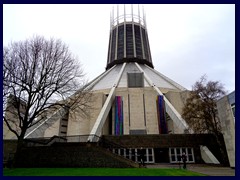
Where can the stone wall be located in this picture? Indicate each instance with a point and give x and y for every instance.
(228, 127)
(171, 140)
(9, 147)
(71, 155)
(80, 155)
(139, 112)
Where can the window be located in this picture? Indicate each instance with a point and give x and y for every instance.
(128, 153)
(135, 80)
(133, 154)
(176, 153)
(190, 154)
(129, 41)
(179, 154)
(120, 42)
(115, 151)
(122, 152)
(138, 41)
(150, 155)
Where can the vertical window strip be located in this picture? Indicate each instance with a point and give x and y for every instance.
(162, 124)
(118, 115)
(144, 110)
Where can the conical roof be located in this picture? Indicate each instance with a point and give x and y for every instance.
(106, 80)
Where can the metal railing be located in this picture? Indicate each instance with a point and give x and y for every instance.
(47, 141)
(102, 142)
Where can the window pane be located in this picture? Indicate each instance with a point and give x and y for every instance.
(115, 151)
(127, 153)
(122, 152)
(178, 151)
(133, 154)
(190, 158)
(150, 151)
(179, 158)
(150, 158)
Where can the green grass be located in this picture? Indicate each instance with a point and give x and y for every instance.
(97, 172)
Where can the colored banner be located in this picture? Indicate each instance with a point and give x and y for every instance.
(118, 115)
(162, 124)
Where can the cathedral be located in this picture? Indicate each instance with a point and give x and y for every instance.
(130, 99)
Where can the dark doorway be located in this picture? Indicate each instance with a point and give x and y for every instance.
(161, 155)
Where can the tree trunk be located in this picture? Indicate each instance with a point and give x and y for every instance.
(20, 145)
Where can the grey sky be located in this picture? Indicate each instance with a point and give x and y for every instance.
(186, 41)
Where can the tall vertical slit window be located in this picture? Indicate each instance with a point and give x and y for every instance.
(120, 51)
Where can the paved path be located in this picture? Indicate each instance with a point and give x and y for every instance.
(200, 168)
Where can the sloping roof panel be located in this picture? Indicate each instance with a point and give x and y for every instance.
(157, 78)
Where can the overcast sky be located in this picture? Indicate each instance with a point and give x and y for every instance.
(186, 41)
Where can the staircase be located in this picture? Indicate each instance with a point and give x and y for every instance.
(59, 152)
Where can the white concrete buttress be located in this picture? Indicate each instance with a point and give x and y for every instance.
(97, 128)
(172, 112)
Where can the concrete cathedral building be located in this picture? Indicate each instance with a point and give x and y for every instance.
(129, 96)
(132, 103)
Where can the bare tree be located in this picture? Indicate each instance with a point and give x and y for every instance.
(38, 75)
(200, 110)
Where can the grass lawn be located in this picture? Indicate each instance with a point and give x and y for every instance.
(97, 172)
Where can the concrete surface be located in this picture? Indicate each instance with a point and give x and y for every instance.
(210, 170)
